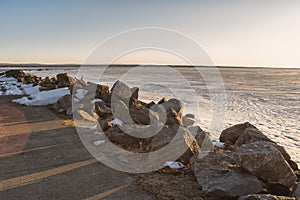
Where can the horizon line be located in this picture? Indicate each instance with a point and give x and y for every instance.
(34, 64)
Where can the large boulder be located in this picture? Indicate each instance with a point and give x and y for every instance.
(163, 137)
(117, 136)
(170, 112)
(120, 110)
(173, 118)
(267, 163)
(140, 115)
(102, 110)
(202, 137)
(64, 80)
(102, 92)
(123, 92)
(296, 191)
(163, 100)
(84, 118)
(187, 121)
(16, 73)
(180, 138)
(219, 175)
(29, 79)
(231, 134)
(264, 197)
(48, 84)
(174, 104)
(64, 104)
(246, 133)
(250, 135)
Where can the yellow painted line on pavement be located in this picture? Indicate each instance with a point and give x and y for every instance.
(30, 150)
(30, 178)
(106, 193)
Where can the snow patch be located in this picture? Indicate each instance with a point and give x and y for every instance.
(96, 100)
(88, 127)
(219, 145)
(41, 98)
(80, 93)
(174, 165)
(117, 121)
(98, 142)
(10, 86)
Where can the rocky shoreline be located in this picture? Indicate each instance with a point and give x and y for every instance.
(247, 165)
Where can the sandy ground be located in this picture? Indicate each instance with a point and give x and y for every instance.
(41, 158)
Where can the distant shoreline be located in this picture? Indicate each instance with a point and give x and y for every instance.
(37, 65)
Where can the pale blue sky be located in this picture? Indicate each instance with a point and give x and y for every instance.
(233, 32)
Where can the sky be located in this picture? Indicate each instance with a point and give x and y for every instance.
(232, 32)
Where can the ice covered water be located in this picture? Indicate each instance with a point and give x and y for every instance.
(268, 98)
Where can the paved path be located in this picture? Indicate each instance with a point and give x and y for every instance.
(40, 158)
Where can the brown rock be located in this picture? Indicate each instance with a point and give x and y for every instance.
(64, 80)
(16, 73)
(122, 91)
(231, 134)
(102, 110)
(264, 197)
(296, 191)
(64, 104)
(105, 125)
(219, 175)
(102, 92)
(48, 84)
(202, 138)
(246, 133)
(184, 140)
(173, 118)
(135, 92)
(140, 115)
(174, 104)
(250, 135)
(163, 100)
(187, 121)
(267, 163)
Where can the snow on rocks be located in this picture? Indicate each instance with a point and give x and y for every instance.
(43, 98)
(80, 93)
(98, 142)
(96, 100)
(117, 122)
(220, 145)
(88, 127)
(174, 165)
(9, 86)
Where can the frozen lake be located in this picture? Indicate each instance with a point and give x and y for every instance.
(267, 98)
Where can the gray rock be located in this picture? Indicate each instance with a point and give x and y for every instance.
(246, 133)
(187, 121)
(16, 73)
(123, 92)
(202, 137)
(231, 134)
(192, 116)
(185, 140)
(174, 104)
(250, 135)
(267, 163)
(64, 104)
(264, 197)
(64, 80)
(102, 110)
(218, 174)
(102, 92)
(163, 100)
(296, 191)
